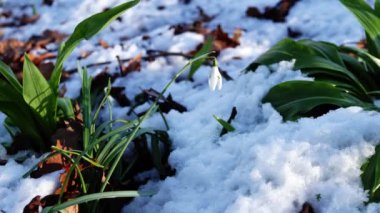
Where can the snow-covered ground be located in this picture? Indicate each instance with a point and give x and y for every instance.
(266, 165)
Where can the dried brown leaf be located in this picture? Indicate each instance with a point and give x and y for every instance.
(133, 65)
(278, 13)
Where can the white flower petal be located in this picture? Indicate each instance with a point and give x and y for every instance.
(214, 78)
(211, 84)
(219, 83)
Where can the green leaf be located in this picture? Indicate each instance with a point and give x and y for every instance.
(37, 94)
(377, 7)
(224, 124)
(86, 106)
(92, 197)
(156, 154)
(66, 106)
(285, 50)
(317, 62)
(371, 60)
(361, 71)
(369, 20)
(294, 99)
(325, 50)
(371, 175)
(85, 30)
(207, 47)
(8, 74)
(13, 105)
(288, 49)
(105, 150)
(230, 119)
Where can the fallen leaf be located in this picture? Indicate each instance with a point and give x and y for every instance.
(165, 104)
(133, 65)
(3, 162)
(69, 137)
(293, 33)
(196, 27)
(307, 208)
(6, 13)
(278, 13)
(362, 44)
(103, 43)
(223, 41)
(52, 164)
(12, 50)
(84, 54)
(48, 2)
(118, 94)
(46, 69)
(33, 205)
(25, 19)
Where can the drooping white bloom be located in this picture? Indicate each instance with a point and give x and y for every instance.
(215, 79)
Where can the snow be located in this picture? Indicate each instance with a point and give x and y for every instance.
(266, 165)
(326, 20)
(16, 192)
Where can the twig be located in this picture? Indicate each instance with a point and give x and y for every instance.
(154, 54)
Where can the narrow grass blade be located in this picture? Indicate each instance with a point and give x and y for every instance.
(86, 106)
(94, 196)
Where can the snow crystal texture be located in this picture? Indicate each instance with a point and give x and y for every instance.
(266, 165)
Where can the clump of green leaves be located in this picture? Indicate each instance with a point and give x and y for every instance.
(343, 76)
(35, 107)
(104, 146)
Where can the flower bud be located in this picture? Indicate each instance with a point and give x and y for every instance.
(215, 79)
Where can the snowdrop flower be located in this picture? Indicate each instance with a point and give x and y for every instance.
(215, 79)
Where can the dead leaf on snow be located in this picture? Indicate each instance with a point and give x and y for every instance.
(103, 43)
(278, 13)
(33, 205)
(223, 41)
(133, 65)
(307, 208)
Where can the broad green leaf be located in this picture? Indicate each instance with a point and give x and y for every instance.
(371, 176)
(294, 99)
(377, 7)
(206, 48)
(285, 50)
(37, 94)
(371, 64)
(316, 62)
(8, 74)
(371, 60)
(326, 50)
(361, 71)
(13, 105)
(341, 84)
(369, 20)
(288, 49)
(373, 45)
(85, 30)
(224, 124)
